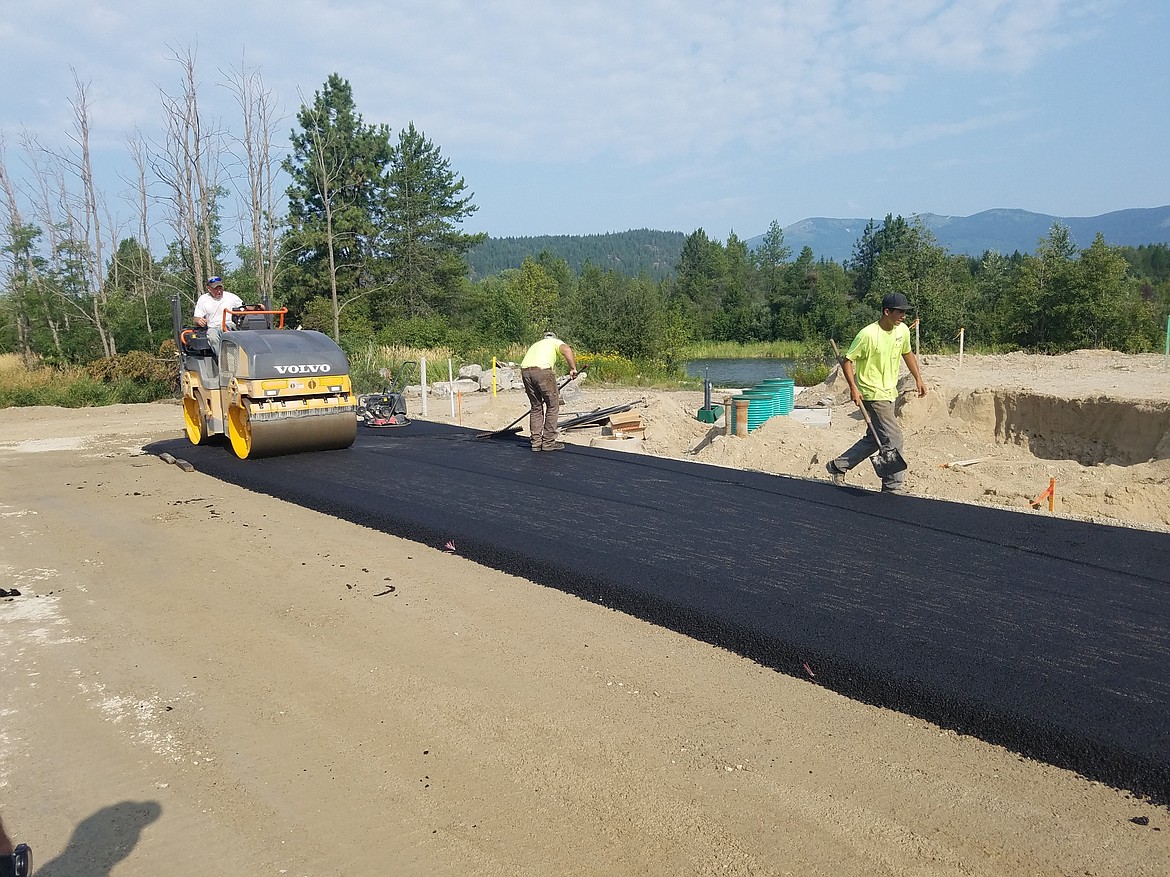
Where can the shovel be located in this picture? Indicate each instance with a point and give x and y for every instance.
(887, 461)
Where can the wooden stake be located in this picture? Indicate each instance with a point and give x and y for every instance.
(1050, 493)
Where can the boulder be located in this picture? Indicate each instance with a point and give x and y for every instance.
(447, 389)
(507, 378)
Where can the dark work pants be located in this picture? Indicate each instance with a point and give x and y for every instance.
(545, 397)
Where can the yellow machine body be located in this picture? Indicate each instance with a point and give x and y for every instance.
(272, 391)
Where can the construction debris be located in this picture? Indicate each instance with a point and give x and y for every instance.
(625, 422)
(597, 417)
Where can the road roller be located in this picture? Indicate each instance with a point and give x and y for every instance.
(270, 391)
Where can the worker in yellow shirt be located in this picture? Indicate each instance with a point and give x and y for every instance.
(540, 383)
(871, 366)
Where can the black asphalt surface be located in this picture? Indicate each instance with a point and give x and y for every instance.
(1050, 637)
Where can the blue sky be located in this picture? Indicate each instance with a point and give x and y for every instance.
(591, 117)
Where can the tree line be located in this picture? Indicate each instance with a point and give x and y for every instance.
(356, 230)
(639, 251)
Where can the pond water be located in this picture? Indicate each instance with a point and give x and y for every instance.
(737, 372)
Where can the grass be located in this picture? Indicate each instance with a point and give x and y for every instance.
(810, 361)
(138, 377)
(369, 367)
(755, 350)
(78, 387)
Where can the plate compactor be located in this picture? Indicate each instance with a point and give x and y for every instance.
(388, 408)
(271, 391)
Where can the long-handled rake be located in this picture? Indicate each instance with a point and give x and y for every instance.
(514, 426)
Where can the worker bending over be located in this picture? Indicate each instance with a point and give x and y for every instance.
(540, 383)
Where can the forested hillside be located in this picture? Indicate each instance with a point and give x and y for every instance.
(640, 251)
(656, 252)
(1004, 231)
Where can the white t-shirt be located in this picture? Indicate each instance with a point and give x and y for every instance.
(211, 308)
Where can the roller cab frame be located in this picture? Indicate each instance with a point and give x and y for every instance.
(272, 390)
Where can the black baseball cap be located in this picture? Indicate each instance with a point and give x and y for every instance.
(895, 301)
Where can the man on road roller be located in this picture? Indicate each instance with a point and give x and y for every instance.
(267, 389)
(210, 307)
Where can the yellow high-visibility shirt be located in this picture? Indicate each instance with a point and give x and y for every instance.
(542, 354)
(877, 356)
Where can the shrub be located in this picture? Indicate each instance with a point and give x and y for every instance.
(808, 373)
(86, 393)
(375, 367)
(21, 397)
(137, 365)
(613, 368)
(130, 377)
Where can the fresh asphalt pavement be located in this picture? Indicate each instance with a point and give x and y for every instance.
(1045, 635)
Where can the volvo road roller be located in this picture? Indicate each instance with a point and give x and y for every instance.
(270, 391)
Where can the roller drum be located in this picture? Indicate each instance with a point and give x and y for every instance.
(270, 435)
(193, 423)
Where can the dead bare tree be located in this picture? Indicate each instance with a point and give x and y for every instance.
(190, 168)
(56, 309)
(325, 182)
(329, 171)
(140, 153)
(66, 294)
(90, 226)
(74, 287)
(261, 118)
(23, 270)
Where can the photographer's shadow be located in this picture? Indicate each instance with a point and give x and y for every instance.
(102, 840)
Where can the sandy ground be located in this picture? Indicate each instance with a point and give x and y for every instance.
(200, 680)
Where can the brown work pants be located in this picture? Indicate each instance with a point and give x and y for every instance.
(545, 397)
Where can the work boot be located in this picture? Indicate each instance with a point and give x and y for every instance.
(552, 446)
(537, 447)
(835, 476)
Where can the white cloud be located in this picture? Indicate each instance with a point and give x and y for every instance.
(641, 79)
(514, 81)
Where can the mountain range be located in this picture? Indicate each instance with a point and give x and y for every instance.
(1003, 230)
(656, 253)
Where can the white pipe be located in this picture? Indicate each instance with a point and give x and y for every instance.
(423, 378)
(451, 387)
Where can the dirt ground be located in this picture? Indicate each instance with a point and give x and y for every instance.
(200, 680)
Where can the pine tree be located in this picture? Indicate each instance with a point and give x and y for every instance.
(336, 201)
(425, 202)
